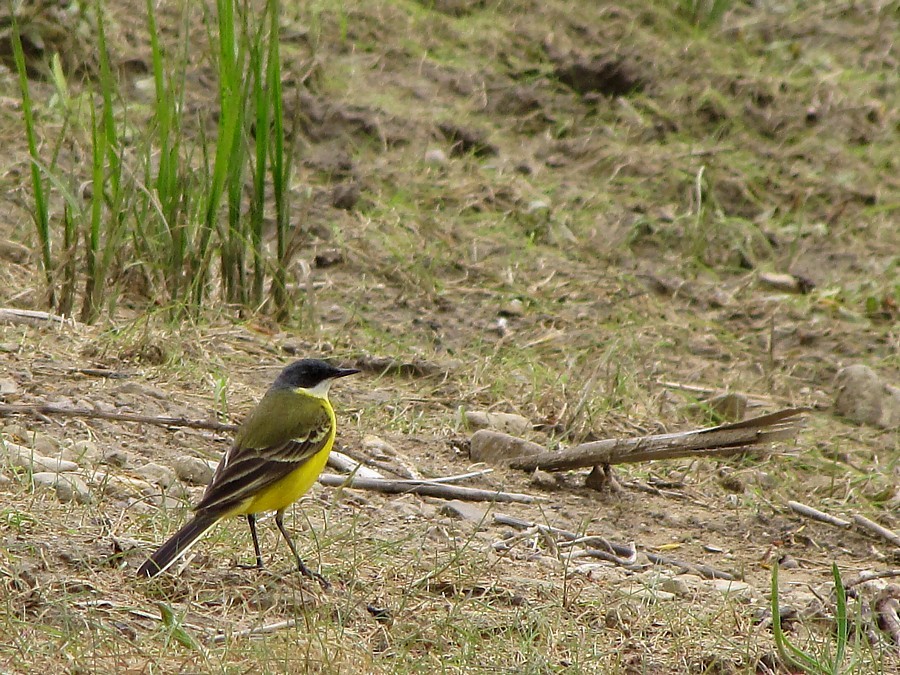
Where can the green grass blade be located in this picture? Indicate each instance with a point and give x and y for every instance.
(41, 212)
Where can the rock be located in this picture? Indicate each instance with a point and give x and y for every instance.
(494, 447)
(13, 251)
(508, 423)
(731, 587)
(464, 510)
(194, 470)
(45, 445)
(8, 387)
(141, 389)
(864, 398)
(121, 487)
(544, 480)
(115, 457)
(26, 458)
(17, 432)
(377, 448)
(68, 486)
(435, 157)
(84, 452)
(157, 474)
(676, 585)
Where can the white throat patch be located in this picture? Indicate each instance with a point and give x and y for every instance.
(320, 390)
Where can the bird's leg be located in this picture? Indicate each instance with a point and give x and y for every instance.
(304, 570)
(251, 521)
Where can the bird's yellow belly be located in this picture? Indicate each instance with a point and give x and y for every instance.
(289, 489)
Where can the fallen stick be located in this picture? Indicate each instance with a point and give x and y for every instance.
(861, 522)
(32, 317)
(874, 528)
(425, 488)
(870, 576)
(721, 440)
(815, 514)
(346, 464)
(705, 571)
(46, 409)
(620, 552)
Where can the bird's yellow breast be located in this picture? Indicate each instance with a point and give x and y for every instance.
(289, 489)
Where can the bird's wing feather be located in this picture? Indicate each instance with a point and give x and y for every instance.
(246, 471)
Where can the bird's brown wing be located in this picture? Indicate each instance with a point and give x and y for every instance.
(246, 471)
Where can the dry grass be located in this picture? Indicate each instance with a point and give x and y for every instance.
(611, 245)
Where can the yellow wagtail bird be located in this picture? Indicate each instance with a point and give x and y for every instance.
(278, 453)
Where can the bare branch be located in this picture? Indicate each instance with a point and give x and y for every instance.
(815, 514)
(47, 409)
(726, 439)
(425, 488)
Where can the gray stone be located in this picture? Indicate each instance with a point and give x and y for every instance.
(157, 474)
(676, 585)
(68, 486)
(8, 387)
(544, 480)
(84, 452)
(115, 457)
(864, 398)
(731, 587)
(494, 447)
(142, 389)
(120, 487)
(45, 445)
(508, 423)
(26, 458)
(464, 510)
(194, 470)
(377, 448)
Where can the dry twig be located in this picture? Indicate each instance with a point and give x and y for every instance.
(815, 514)
(425, 488)
(874, 528)
(31, 317)
(624, 555)
(726, 439)
(47, 409)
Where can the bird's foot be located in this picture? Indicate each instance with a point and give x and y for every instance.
(309, 574)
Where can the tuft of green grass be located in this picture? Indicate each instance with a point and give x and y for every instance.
(824, 662)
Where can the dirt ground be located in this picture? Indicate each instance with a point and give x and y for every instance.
(573, 216)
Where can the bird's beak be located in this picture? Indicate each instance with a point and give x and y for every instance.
(344, 372)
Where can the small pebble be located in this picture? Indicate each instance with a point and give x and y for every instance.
(463, 510)
(494, 447)
(544, 480)
(865, 398)
(194, 470)
(68, 487)
(157, 474)
(508, 423)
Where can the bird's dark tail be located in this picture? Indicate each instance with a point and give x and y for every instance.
(177, 545)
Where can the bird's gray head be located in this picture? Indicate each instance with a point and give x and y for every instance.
(310, 374)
